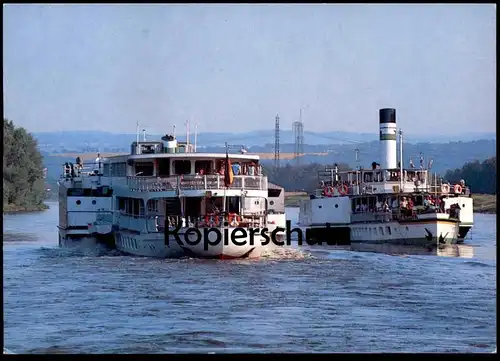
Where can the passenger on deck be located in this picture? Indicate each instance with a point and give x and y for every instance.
(426, 202)
(236, 168)
(251, 169)
(410, 206)
(212, 208)
(385, 206)
(378, 205)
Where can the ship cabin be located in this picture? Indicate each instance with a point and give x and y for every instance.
(383, 194)
(169, 178)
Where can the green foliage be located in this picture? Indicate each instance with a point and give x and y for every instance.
(23, 184)
(480, 177)
(298, 178)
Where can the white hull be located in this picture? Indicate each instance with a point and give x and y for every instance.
(146, 245)
(276, 220)
(153, 245)
(428, 232)
(71, 239)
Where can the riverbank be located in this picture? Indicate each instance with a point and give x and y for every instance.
(483, 203)
(13, 208)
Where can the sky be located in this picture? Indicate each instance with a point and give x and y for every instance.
(232, 68)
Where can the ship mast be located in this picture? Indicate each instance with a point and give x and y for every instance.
(401, 160)
(195, 136)
(187, 136)
(224, 197)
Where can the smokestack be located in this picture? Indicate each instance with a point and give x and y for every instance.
(388, 134)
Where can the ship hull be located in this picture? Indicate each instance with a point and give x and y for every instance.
(416, 233)
(154, 245)
(276, 220)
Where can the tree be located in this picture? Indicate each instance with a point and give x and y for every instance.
(298, 178)
(23, 184)
(480, 177)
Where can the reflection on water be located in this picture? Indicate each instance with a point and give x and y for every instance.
(451, 250)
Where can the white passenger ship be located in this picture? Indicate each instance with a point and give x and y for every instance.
(387, 203)
(128, 200)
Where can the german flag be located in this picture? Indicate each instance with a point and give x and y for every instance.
(228, 172)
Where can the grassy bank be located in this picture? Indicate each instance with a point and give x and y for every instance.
(292, 199)
(13, 208)
(483, 203)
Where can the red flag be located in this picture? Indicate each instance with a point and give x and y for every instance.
(228, 172)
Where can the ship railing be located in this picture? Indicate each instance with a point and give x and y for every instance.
(152, 184)
(194, 182)
(375, 216)
(156, 223)
(78, 171)
(437, 189)
(394, 214)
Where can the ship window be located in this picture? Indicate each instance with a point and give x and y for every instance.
(388, 230)
(122, 206)
(368, 177)
(375, 230)
(119, 169)
(105, 170)
(381, 230)
(203, 165)
(153, 205)
(78, 202)
(163, 167)
(271, 202)
(182, 167)
(319, 206)
(144, 169)
(94, 202)
(274, 193)
(336, 206)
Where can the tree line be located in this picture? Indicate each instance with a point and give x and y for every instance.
(479, 176)
(301, 178)
(23, 178)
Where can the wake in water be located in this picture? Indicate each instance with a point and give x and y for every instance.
(86, 247)
(278, 252)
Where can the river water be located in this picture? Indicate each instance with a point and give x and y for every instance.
(302, 299)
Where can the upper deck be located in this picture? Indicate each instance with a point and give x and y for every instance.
(383, 181)
(152, 167)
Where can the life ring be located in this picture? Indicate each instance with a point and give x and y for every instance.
(457, 188)
(328, 191)
(234, 219)
(211, 221)
(445, 188)
(343, 190)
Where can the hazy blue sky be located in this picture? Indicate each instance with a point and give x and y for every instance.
(233, 67)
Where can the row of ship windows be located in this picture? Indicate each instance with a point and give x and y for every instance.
(374, 230)
(78, 202)
(129, 242)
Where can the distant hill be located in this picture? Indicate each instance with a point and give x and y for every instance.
(445, 156)
(257, 141)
